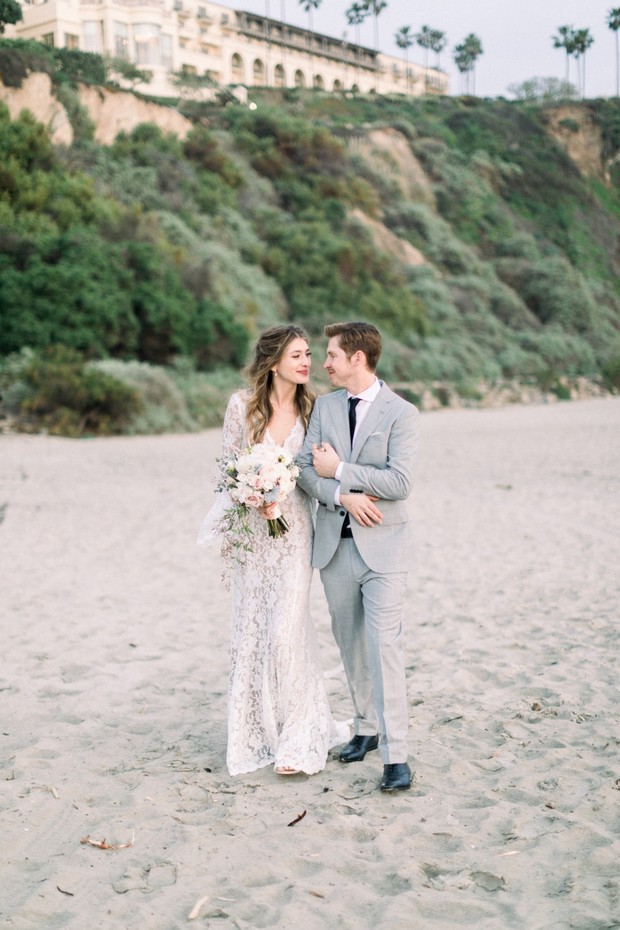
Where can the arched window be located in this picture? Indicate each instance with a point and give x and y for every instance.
(259, 72)
(318, 82)
(300, 80)
(337, 85)
(238, 71)
(355, 89)
(279, 76)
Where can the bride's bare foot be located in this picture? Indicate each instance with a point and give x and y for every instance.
(287, 770)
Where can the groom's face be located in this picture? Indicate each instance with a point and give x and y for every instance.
(338, 365)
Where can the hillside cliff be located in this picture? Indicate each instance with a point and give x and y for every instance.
(110, 110)
(482, 236)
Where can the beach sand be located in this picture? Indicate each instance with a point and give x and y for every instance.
(113, 694)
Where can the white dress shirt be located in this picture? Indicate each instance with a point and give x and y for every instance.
(365, 400)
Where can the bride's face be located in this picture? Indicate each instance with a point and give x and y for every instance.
(294, 366)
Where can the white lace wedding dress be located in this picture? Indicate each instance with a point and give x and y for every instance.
(278, 710)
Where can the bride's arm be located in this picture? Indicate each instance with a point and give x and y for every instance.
(234, 427)
(212, 527)
(235, 440)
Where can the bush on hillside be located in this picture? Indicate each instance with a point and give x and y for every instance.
(162, 407)
(64, 396)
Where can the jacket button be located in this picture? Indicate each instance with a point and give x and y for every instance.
(342, 513)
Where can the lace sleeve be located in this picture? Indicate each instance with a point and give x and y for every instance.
(234, 431)
(233, 441)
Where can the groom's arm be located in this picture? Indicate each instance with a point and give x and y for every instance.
(392, 480)
(323, 489)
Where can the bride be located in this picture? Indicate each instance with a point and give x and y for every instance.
(278, 712)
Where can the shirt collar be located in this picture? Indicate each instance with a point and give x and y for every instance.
(370, 393)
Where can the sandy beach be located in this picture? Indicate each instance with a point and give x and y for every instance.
(113, 676)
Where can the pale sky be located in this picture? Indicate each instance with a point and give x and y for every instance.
(516, 36)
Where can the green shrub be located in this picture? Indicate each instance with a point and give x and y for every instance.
(206, 393)
(202, 148)
(552, 289)
(75, 65)
(13, 388)
(81, 123)
(611, 372)
(572, 125)
(66, 397)
(162, 407)
(20, 56)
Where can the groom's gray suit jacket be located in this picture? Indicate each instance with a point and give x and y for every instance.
(380, 463)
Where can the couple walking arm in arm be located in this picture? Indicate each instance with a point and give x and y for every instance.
(356, 450)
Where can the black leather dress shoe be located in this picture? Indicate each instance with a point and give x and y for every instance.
(358, 747)
(396, 777)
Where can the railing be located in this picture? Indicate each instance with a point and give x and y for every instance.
(277, 33)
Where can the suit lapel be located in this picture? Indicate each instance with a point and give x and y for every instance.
(370, 421)
(340, 416)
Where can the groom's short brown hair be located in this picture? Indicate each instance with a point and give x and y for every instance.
(357, 337)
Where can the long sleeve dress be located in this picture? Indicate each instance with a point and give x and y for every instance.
(278, 711)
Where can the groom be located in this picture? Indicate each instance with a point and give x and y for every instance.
(358, 461)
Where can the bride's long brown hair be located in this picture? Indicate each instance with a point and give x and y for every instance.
(270, 348)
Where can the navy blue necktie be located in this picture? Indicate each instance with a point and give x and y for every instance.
(353, 402)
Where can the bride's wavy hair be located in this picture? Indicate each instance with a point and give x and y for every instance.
(271, 346)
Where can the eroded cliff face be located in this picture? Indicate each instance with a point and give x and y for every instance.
(574, 129)
(114, 111)
(110, 110)
(36, 95)
(387, 150)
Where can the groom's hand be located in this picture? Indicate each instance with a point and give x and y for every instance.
(363, 508)
(325, 460)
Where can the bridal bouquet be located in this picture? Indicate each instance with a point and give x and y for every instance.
(261, 474)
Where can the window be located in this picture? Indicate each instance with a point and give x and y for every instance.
(91, 35)
(48, 39)
(71, 41)
(146, 38)
(165, 47)
(121, 40)
(237, 68)
(259, 72)
(152, 48)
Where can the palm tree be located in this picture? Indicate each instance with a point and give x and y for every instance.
(465, 56)
(423, 38)
(309, 6)
(356, 14)
(565, 39)
(583, 41)
(613, 21)
(439, 42)
(376, 7)
(463, 62)
(282, 24)
(404, 39)
(474, 50)
(267, 29)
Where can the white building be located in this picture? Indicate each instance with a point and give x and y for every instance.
(231, 47)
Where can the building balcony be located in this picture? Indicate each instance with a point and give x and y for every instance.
(274, 32)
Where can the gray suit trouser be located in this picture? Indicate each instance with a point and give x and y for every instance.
(366, 609)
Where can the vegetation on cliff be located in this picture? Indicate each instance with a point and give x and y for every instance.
(156, 260)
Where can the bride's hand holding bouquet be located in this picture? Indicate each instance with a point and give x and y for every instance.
(260, 478)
